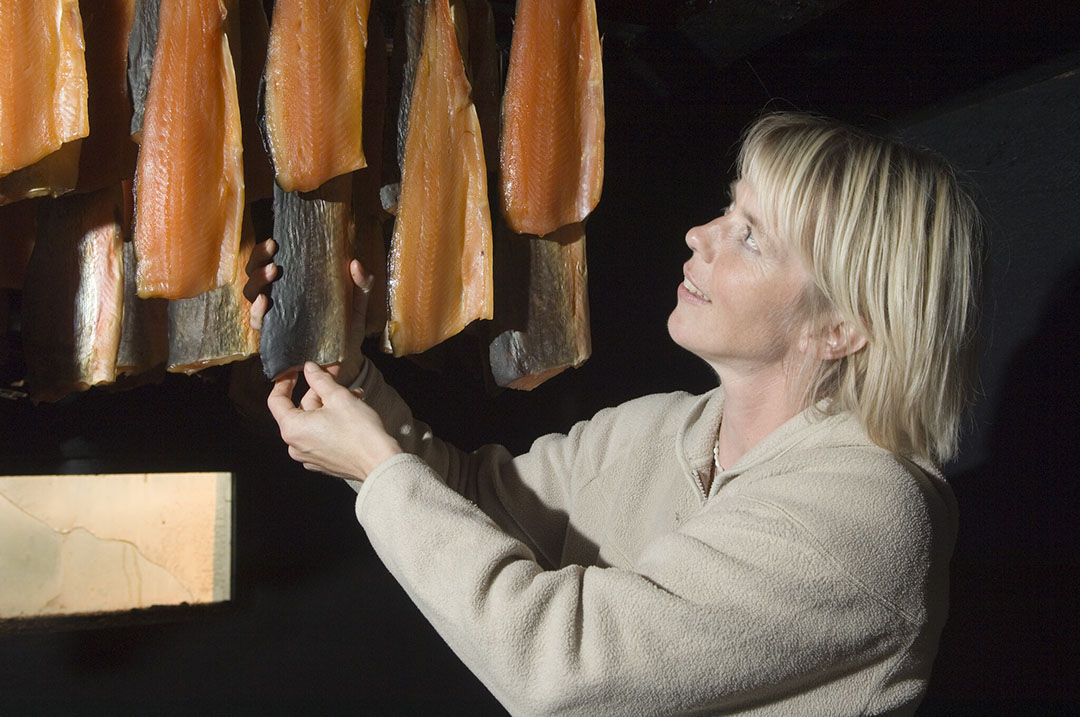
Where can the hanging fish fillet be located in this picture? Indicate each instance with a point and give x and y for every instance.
(440, 262)
(189, 184)
(144, 333)
(314, 83)
(214, 328)
(108, 154)
(141, 46)
(543, 297)
(53, 175)
(308, 318)
(43, 81)
(553, 117)
(18, 229)
(73, 298)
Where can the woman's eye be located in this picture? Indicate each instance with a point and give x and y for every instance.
(750, 241)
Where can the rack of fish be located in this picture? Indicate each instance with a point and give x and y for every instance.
(142, 140)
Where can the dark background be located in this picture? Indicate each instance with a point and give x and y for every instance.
(316, 624)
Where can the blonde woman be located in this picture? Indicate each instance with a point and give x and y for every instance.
(779, 545)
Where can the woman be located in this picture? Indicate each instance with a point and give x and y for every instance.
(779, 545)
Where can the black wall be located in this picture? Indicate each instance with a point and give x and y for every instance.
(317, 624)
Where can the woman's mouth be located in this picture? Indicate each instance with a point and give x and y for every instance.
(693, 290)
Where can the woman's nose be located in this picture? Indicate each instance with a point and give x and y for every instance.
(698, 241)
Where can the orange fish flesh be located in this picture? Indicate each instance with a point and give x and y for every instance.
(314, 83)
(189, 183)
(440, 258)
(43, 90)
(552, 150)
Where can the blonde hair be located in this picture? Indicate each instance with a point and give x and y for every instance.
(891, 242)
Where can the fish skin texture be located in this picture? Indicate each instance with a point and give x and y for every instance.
(440, 258)
(189, 182)
(108, 154)
(542, 316)
(314, 82)
(144, 333)
(43, 89)
(141, 46)
(214, 328)
(552, 149)
(73, 300)
(308, 318)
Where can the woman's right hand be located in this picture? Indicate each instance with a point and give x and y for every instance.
(261, 272)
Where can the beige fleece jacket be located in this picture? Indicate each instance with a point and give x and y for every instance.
(592, 576)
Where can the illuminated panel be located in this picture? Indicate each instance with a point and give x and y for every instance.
(75, 544)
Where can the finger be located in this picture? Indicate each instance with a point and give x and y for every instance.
(280, 399)
(262, 253)
(319, 379)
(258, 311)
(258, 279)
(361, 278)
(311, 400)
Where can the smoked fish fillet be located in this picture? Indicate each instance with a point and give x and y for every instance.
(552, 150)
(108, 154)
(73, 299)
(43, 90)
(189, 182)
(314, 82)
(214, 328)
(310, 303)
(440, 256)
(144, 333)
(542, 310)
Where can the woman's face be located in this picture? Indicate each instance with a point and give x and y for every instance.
(738, 302)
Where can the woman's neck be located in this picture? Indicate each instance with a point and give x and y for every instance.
(753, 408)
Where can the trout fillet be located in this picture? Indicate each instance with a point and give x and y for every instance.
(189, 182)
(43, 89)
(214, 328)
(440, 258)
(543, 307)
(314, 82)
(552, 151)
(308, 318)
(73, 299)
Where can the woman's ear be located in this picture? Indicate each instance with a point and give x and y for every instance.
(837, 340)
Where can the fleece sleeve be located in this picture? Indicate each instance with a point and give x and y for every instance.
(735, 611)
(529, 497)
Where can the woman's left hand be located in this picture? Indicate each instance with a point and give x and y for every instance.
(332, 430)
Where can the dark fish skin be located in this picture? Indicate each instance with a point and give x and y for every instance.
(144, 342)
(214, 327)
(541, 321)
(310, 302)
(141, 46)
(411, 20)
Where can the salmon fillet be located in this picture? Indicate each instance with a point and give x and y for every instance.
(214, 328)
(542, 311)
(73, 298)
(189, 182)
(440, 257)
(314, 83)
(43, 87)
(552, 150)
